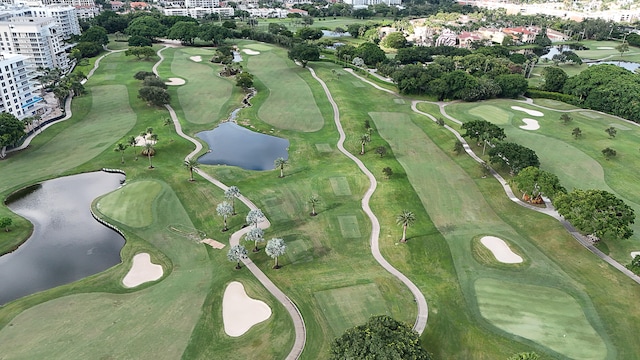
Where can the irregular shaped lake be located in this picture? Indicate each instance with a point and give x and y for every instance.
(231, 144)
(67, 243)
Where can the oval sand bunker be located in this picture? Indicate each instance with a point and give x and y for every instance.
(530, 124)
(528, 111)
(240, 312)
(250, 52)
(500, 250)
(197, 58)
(142, 271)
(175, 81)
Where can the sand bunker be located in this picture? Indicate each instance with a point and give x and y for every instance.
(500, 250)
(240, 312)
(196, 58)
(175, 81)
(214, 244)
(528, 111)
(142, 271)
(634, 253)
(142, 141)
(604, 48)
(250, 52)
(530, 124)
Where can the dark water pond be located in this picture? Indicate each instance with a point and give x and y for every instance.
(67, 243)
(631, 66)
(231, 144)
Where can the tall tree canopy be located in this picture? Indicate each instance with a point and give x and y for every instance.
(95, 34)
(185, 31)
(554, 79)
(596, 212)
(11, 129)
(381, 337)
(514, 156)
(146, 26)
(533, 181)
(304, 53)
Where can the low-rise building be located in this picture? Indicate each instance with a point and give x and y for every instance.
(198, 13)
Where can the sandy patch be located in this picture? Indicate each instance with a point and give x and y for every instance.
(214, 244)
(240, 312)
(250, 52)
(142, 271)
(500, 250)
(530, 124)
(604, 48)
(634, 253)
(142, 141)
(175, 81)
(196, 58)
(528, 111)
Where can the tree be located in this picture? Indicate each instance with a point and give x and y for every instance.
(146, 26)
(225, 210)
(154, 95)
(542, 39)
(11, 131)
(149, 150)
(596, 212)
(622, 48)
(254, 217)
(406, 218)
(515, 156)
(611, 131)
(458, 147)
(140, 52)
(136, 40)
(576, 132)
(565, 118)
(154, 81)
(244, 80)
(95, 34)
(120, 147)
(524, 356)
(276, 247)
(381, 150)
(231, 194)
(304, 53)
(535, 182)
(307, 33)
(5, 222)
(236, 254)
(370, 53)
(609, 153)
(364, 139)
(395, 40)
(388, 172)
(313, 201)
(381, 337)
(185, 31)
(512, 85)
(141, 75)
(482, 130)
(280, 163)
(132, 143)
(213, 33)
(191, 165)
(256, 235)
(554, 79)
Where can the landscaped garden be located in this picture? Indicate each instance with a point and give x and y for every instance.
(560, 300)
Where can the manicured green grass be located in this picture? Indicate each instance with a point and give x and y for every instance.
(132, 204)
(484, 256)
(289, 104)
(542, 314)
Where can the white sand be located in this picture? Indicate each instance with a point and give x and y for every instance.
(142, 271)
(175, 81)
(214, 244)
(142, 141)
(528, 111)
(604, 48)
(530, 124)
(240, 312)
(500, 250)
(634, 253)
(250, 52)
(196, 58)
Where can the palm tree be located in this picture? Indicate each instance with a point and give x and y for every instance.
(406, 219)
(121, 148)
(576, 133)
(149, 150)
(256, 235)
(224, 209)
(237, 253)
(313, 200)
(276, 247)
(364, 139)
(132, 142)
(280, 163)
(254, 217)
(232, 193)
(191, 164)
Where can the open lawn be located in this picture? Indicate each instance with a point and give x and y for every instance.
(133, 204)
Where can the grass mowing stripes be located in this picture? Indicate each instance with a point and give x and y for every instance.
(349, 226)
(340, 186)
(132, 204)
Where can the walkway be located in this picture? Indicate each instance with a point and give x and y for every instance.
(548, 210)
(290, 306)
(423, 309)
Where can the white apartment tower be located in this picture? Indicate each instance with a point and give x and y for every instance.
(37, 38)
(201, 3)
(65, 16)
(17, 90)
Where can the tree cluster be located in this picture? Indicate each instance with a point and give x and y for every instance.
(153, 89)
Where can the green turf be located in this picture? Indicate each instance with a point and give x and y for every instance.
(340, 186)
(349, 226)
(132, 204)
(492, 114)
(545, 315)
(290, 104)
(350, 306)
(299, 251)
(323, 147)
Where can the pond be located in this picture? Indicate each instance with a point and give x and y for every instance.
(67, 243)
(631, 66)
(233, 145)
(329, 33)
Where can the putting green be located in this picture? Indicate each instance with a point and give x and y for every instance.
(323, 147)
(260, 47)
(547, 316)
(349, 226)
(290, 104)
(132, 204)
(340, 186)
(492, 114)
(350, 306)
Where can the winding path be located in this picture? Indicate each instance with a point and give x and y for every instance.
(290, 306)
(423, 309)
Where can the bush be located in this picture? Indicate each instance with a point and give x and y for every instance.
(569, 99)
(136, 40)
(154, 81)
(141, 75)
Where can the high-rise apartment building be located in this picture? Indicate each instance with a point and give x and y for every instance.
(201, 3)
(17, 90)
